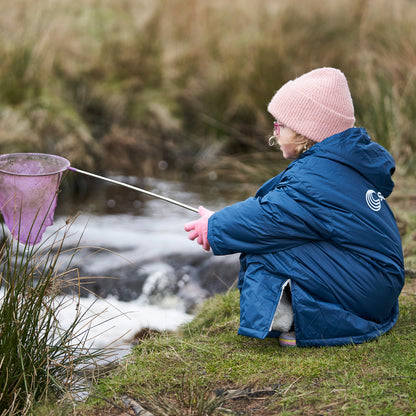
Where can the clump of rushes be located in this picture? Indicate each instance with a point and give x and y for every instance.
(39, 359)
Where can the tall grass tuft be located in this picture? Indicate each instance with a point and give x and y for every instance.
(39, 359)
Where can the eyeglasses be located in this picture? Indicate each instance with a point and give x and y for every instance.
(276, 132)
(276, 128)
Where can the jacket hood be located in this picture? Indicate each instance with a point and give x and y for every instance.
(354, 148)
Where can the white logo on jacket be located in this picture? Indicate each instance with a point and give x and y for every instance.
(374, 199)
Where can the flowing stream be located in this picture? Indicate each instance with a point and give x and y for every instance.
(135, 255)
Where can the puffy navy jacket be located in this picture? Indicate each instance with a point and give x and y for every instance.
(324, 224)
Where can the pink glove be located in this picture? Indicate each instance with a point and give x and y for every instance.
(199, 228)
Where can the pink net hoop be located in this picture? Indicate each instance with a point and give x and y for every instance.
(28, 192)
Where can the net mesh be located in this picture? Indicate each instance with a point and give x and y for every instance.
(28, 193)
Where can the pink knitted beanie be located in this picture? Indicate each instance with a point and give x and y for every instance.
(317, 105)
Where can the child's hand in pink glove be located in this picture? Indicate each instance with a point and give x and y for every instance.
(199, 228)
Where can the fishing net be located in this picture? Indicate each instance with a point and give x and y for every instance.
(28, 193)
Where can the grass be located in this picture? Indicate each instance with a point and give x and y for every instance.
(123, 85)
(206, 369)
(39, 359)
(403, 203)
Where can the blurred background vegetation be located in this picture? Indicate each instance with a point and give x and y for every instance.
(144, 87)
(181, 87)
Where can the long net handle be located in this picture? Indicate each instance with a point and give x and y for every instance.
(135, 188)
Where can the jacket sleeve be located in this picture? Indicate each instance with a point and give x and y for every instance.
(281, 219)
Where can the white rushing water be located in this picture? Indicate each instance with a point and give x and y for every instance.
(120, 241)
(108, 243)
(112, 323)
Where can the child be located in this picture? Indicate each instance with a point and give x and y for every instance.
(321, 256)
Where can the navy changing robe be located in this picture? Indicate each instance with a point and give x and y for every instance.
(324, 224)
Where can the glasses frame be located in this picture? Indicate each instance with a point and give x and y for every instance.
(276, 128)
(276, 131)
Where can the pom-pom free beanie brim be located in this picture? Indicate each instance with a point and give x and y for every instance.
(317, 105)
